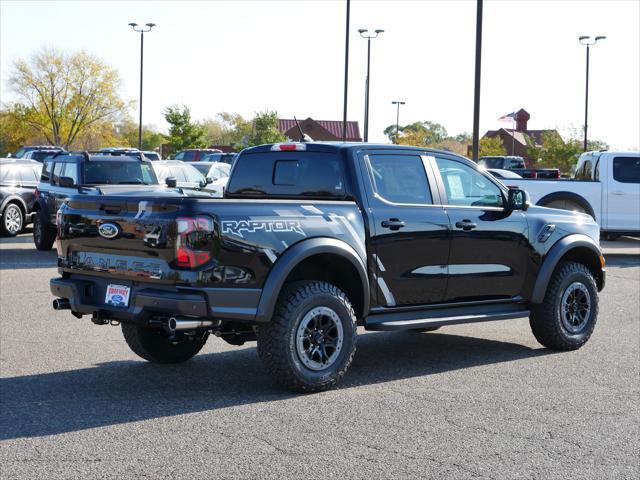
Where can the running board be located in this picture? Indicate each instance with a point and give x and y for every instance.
(446, 316)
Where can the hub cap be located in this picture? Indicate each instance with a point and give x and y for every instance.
(575, 307)
(13, 219)
(319, 338)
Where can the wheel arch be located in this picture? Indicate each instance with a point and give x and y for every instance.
(576, 247)
(319, 258)
(18, 201)
(569, 196)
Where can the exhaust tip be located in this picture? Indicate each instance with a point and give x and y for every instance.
(172, 324)
(61, 304)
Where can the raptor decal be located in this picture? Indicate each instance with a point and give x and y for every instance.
(238, 227)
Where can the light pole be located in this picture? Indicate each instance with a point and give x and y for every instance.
(586, 40)
(346, 74)
(142, 30)
(397, 103)
(364, 34)
(475, 140)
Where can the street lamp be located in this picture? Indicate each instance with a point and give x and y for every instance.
(364, 34)
(588, 42)
(397, 103)
(147, 28)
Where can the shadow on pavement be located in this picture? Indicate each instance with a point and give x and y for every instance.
(18, 259)
(129, 391)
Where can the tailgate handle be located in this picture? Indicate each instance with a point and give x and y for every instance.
(110, 208)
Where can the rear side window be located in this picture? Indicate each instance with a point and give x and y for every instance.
(71, 171)
(46, 171)
(288, 174)
(8, 174)
(400, 179)
(188, 156)
(626, 169)
(492, 162)
(516, 163)
(29, 174)
(57, 170)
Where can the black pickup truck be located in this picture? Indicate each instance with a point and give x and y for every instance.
(313, 240)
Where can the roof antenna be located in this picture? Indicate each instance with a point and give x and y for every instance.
(303, 136)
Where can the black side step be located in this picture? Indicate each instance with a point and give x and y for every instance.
(444, 316)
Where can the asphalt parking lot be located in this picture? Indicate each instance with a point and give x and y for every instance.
(470, 401)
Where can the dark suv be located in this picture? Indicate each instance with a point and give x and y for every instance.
(23, 150)
(71, 173)
(18, 181)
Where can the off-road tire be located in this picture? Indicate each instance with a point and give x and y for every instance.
(43, 235)
(158, 346)
(277, 338)
(545, 319)
(12, 221)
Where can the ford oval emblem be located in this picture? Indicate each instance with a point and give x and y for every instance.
(109, 230)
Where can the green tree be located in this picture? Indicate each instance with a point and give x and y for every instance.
(554, 152)
(490, 147)
(265, 129)
(66, 95)
(228, 129)
(183, 133)
(430, 132)
(127, 131)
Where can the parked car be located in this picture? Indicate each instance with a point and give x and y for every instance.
(606, 185)
(500, 173)
(313, 240)
(39, 155)
(227, 158)
(186, 176)
(22, 151)
(69, 173)
(18, 181)
(194, 154)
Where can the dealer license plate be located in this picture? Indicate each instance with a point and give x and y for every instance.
(117, 295)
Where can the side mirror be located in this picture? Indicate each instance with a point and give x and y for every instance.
(210, 180)
(171, 182)
(518, 199)
(66, 182)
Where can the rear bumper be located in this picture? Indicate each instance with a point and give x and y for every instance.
(86, 295)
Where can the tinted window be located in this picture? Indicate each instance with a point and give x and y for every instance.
(57, 170)
(98, 172)
(203, 168)
(179, 156)
(584, 171)
(492, 162)
(317, 175)
(516, 163)
(46, 171)
(211, 157)
(152, 156)
(467, 187)
(626, 169)
(400, 178)
(40, 155)
(189, 156)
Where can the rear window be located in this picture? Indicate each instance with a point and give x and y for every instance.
(491, 162)
(40, 155)
(97, 172)
(288, 174)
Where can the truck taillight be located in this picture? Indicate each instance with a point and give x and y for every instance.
(59, 232)
(193, 241)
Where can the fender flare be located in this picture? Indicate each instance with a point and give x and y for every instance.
(573, 197)
(552, 258)
(293, 256)
(15, 199)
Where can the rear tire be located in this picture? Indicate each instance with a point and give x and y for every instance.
(310, 342)
(158, 346)
(43, 235)
(12, 221)
(566, 318)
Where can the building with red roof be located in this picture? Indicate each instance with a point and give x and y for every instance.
(321, 130)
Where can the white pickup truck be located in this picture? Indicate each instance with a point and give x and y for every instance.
(606, 185)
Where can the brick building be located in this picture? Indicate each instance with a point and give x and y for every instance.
(515, 140)
(320, 130)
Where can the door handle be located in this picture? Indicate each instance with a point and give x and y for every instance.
(393, 224)
(466, 225)
(618, 192)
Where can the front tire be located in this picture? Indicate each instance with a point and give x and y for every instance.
(310, 342)
(43, 235)
(158, 346)
(566, 318)
(12, 220)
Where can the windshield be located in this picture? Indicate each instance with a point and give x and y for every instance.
(98, 172)
(203, 168)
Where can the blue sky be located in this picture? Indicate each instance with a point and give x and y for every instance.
(244, 56)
